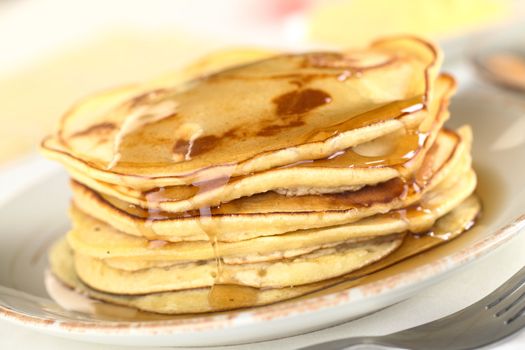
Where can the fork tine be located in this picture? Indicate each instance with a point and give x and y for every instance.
(516, 315)
(515, 323)
(507, 289)
(515, 299)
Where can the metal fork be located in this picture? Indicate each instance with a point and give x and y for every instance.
(493, 318)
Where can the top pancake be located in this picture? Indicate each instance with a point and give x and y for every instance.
(249, 118)
(397, 154)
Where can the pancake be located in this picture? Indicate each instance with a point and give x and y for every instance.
(271, 213)
(205, 300)
(393, 155)
(273, 112)
(327, 262)
(94, 238)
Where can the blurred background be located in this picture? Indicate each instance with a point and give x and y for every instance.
(53, 52)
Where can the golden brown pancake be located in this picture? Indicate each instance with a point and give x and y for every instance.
(328, 262)
(272, 112)
(393, 155)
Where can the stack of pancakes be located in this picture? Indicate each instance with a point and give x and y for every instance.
(251, 178)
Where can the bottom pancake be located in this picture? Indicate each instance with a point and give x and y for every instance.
(327, 263)
(227, 297)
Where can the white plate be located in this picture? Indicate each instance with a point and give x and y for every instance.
(37, 215)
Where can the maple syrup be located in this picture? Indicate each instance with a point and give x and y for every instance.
(221, 295)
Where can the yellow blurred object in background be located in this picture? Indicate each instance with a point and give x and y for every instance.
(356, 22)
(35, 97)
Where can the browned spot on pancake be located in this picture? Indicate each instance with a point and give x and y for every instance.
(382, 193)
(235, 133)
(181, 147)
(204, 144)
(100, 129)
(300, 101)
(196, 147)
(275, 129)
(292, 106)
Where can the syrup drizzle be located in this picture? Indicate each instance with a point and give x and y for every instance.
(154, 212)
(221, 295)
